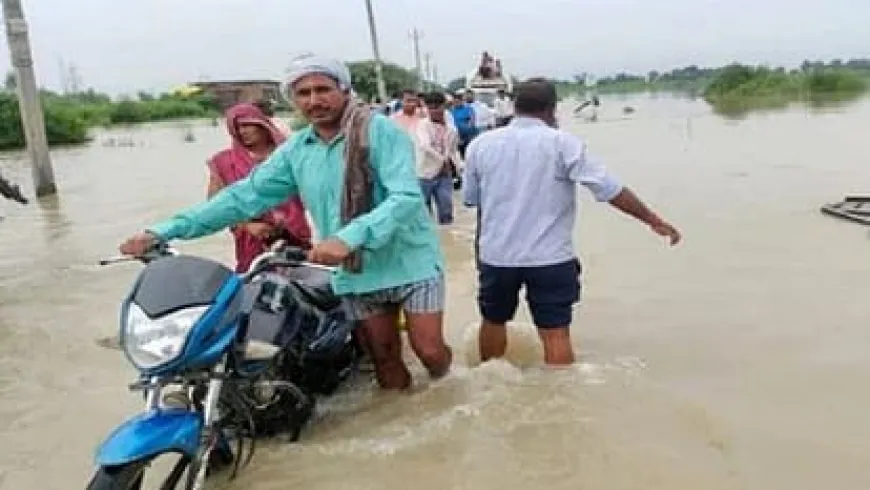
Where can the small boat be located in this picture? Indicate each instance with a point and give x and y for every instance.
(852, 208)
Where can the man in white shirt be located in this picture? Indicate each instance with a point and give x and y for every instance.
(523, 179)
(504, 109)
(484, 116)
(410, 115)
(438, 158)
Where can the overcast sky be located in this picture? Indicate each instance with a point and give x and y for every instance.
(125, 45)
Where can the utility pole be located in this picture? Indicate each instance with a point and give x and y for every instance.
(62, 70)
(435, 73)
(75, 81)
(427, 60)
(416, 35)
(28, 98)
(379, 69)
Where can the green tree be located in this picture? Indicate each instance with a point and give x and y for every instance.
(365, 83)
(730, 79)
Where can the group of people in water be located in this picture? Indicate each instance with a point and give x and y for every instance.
(366, 180)
(441, 126)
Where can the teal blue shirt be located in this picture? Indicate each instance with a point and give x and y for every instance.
(397, 237)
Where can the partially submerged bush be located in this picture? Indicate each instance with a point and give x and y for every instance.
(63, 124)
(763, 87)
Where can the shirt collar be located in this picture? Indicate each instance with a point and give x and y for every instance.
(526, 122)
(309, 136)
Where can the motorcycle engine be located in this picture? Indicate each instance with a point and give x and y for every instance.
(279, 406)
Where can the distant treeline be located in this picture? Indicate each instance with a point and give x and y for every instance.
(694, 78)
(739, 88)
(68, 117)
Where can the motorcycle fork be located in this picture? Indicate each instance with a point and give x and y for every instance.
(210, 432)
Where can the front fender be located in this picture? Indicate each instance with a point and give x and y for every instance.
(152, 433)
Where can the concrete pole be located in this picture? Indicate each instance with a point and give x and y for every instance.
(415, 38)
(379, 69)
(28, 98)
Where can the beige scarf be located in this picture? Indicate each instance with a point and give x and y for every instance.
(358, 191)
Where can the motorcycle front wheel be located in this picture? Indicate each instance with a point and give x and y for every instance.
(131, 476)
(123, 477)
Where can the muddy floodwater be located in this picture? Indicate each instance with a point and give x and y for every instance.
(738, 360)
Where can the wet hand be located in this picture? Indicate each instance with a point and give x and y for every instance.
(665, 229)
(139, 244)
(329, 252)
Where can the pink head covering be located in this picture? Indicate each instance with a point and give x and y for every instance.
(234, 164)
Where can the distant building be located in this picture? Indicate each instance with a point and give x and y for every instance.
(228, 93)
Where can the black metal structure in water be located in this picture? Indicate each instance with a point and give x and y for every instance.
(852, 208)
(11, 191)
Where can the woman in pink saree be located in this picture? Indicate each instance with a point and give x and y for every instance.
(254, 138)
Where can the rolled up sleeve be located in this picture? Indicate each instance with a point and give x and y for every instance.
(578, 167)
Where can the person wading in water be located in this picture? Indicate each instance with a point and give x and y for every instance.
(437, 157)
(355, 172)
(523, 179)
(254, 138)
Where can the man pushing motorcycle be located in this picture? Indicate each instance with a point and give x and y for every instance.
(354, 171)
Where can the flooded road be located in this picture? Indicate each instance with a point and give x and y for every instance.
(735, 361)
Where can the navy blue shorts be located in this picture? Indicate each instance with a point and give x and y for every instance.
(551, 291)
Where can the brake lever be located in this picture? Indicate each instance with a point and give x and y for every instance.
(117, 260)
(312, 265)
(157, 252)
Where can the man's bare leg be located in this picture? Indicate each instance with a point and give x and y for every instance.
(385, 347)
(558, 350)
(426, 333)
(492, 340)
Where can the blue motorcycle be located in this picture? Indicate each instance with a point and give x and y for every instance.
(224, 358)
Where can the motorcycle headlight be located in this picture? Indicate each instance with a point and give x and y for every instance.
(151, 342)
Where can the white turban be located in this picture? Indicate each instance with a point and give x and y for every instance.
(318, 65)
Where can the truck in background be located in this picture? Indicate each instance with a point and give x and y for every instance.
(487, 79)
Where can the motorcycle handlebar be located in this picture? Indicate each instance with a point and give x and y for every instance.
(282, 255)
(159, 250)
(279, 255)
